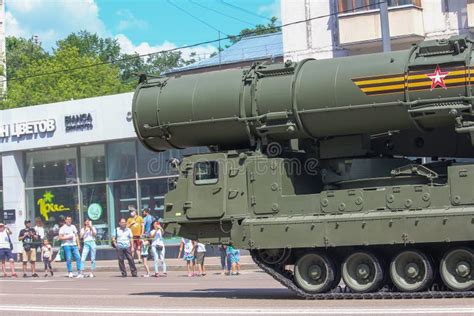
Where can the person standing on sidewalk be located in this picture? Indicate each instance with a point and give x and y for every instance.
(136, 224)
(71, 245)
(234, 258)
(200, 251)
(145, 254)
(122, 241)
(28, 236)
(6, 247)
(158, 249)
(188, 246)
(88, 234)
(46, 256)
(148, 221)
(225, 264)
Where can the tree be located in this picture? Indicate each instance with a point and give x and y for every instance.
(29, 68)
(21, 52)
(259, 29)
(91, 45)
(156, 64)
(28, 89)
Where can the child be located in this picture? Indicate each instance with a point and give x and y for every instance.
(234, 259)
(200, 251)
(144, 255)
(46, 255)
(188, 246)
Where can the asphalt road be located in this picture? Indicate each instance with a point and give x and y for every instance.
(253, 292)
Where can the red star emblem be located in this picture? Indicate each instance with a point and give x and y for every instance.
(437, 78)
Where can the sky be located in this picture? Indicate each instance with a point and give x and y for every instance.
(141, 26)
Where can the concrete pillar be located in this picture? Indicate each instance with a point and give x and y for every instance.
(14, 191)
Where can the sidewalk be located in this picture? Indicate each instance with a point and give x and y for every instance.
(211, 264)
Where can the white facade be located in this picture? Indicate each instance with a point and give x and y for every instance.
(58, 125)
(111, 120)
(350, 33)
(3, 84)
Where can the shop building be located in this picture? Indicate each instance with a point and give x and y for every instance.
(78, 158)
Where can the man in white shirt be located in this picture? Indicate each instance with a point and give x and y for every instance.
(122, 240)
(70, 243)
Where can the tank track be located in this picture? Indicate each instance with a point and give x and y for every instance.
(285, 277)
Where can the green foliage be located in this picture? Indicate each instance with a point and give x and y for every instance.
(156, 64)
(27, 61)
(76, 84)
(106, 49)
(21, 52)
(259, 29)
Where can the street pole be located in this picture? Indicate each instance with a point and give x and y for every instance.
(384, 26)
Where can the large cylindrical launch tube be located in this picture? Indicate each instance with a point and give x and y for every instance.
(426, 87)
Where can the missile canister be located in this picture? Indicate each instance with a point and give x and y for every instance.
(425, 87)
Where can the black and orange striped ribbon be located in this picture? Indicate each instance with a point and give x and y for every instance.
(415, 80)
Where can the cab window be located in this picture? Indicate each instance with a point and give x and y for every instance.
(206, 172)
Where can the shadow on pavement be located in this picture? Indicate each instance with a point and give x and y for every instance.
(254, 294)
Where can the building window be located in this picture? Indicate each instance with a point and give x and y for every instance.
(51, 205)
(92, 163)
(124, 196)
(51, 167)
(94, 207)
(365, 5)
(152, 195)
(121, 160)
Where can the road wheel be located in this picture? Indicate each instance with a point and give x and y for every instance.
(274, 256)
(411, 271)
(362, 272)
(457, 269)
(315, 273)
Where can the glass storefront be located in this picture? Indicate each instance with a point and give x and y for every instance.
(123, 195)
(152, 195)
(121, 160)
(51, 205)
(1, 190)
(92, 163)
(98, 181)
(94, 206)
(51, 167)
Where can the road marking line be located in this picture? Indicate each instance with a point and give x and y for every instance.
(27, 281)
(73, 288)
(162, 284)
(319, 311)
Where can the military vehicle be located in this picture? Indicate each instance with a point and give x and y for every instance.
(358, 168)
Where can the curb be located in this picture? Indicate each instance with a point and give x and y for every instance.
(210, 267)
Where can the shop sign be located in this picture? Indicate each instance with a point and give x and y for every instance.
(9, 216)
(27, 128)
(47, 205)
(78, 122)
(94, 211)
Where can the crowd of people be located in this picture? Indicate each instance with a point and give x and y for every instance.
(137, 236)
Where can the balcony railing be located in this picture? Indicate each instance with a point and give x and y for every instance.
(362, 28)
(345, 6)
